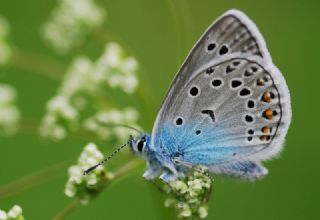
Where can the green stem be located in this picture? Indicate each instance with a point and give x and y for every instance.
(34, 179)
(127, 167)
(31, 127)
(67, 210)
(178, 27)
(36, 63)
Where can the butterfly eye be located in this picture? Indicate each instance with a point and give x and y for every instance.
(140, 145)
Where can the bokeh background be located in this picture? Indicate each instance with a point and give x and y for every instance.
(159, 34)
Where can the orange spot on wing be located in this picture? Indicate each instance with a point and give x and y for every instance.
(260, 82)
(266, 97)
(265, 129)
(265, 138)
(268, 113)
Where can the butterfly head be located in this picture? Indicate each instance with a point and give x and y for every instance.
(140, 145)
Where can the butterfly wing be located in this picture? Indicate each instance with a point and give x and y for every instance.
(228, 103)
(232, 33)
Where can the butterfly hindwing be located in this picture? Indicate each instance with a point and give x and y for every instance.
(218, 117)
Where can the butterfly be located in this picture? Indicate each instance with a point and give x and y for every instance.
(228, 108)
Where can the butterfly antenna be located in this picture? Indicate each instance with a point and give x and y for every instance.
(123, 126)
(88, 171)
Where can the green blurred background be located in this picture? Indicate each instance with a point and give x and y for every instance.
(160, 34)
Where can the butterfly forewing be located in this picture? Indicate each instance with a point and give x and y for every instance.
(232, 33)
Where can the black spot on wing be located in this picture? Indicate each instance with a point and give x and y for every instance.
(223, 50)
(179, 121)
(211, 46)
(229, 69)
(210, 113)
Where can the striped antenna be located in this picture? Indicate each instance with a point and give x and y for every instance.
(88, 171)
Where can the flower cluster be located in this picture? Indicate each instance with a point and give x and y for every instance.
(15, 213)
(70, 23)
(60, 119)
(9, 113)
(86, 187)
(86, 80)
(117, 70)
(5, 49)
(99, 124)
(190, 196)
(113, 68)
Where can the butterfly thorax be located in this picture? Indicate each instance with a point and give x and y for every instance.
(158, 162)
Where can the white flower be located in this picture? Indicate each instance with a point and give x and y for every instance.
(7, 94)
(112, 69)
(5, 49)
(78, 77)
(61, 117)
(70, 22)
(100, 124)
(130, 65)
(203, 212)
(60, 105)
(84, 80)
(189, 196)
(9, 113)
(186, 213)
(118, 71)
(3, 215)
(76, 174)
(180, 186)
(130, 114)
(58, 132)
(86, 186)
(15, 213)
(130, 84)
(70, 190)
(92, 180)
(111, 56)
(195, 184)
(185, 210)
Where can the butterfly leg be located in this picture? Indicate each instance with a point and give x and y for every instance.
(168, 176)
(152, 172)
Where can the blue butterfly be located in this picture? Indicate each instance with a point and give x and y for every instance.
(228, 108)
